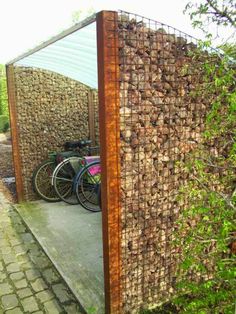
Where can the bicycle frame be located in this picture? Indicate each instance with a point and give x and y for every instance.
(77, 177)
(59, 165)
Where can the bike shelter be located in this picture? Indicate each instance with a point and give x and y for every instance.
(126, 82)
(53, 91)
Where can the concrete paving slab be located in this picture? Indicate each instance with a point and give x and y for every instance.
(72, 238)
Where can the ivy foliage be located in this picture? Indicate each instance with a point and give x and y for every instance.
(207, 228)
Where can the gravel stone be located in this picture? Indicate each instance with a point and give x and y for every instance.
(32, 274)
(2, 276)
(33, 249)
(20, 250)
(20, 228)
(17, 310)
(16, 219)
(30, 304)
(9, 301)
(25, 266)
(28, 238)
(41, 262)
(13, 268)
(23, 293)
(3, 243)
(23, 259)
(52, 307)
(15, 242)
(17, 276)
(5, 288)
(21, 284)
(6, 249)
(61, 292)
(72, 309)
(39, 285)
(9, 258)
(51, 276)
(44, 296)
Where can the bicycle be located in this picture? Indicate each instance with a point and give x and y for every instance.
(88, 186)
(66, 173)
(41, 179)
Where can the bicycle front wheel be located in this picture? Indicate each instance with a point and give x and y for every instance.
(63, 179)
(41, 181)
(88, 186)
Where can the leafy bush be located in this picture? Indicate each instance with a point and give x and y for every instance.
(3, 92)
(206, 276)
(206, 233)
(4, 123)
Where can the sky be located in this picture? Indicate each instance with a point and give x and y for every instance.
(26, 23)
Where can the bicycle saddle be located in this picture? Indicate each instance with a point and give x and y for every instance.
(74, 144)
(84, 143)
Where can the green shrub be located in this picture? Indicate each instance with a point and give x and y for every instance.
(4, 123)
(3, 92)
(6, 127)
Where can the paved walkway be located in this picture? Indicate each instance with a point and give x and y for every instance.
(29, 282)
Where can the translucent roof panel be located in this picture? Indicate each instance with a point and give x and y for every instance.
(74, 56)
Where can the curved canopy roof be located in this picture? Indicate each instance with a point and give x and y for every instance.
(72, 53)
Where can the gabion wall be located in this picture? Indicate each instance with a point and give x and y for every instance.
(96, 117)
(161, 120)
(51, 109)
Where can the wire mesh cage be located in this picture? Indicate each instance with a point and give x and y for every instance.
(152, 112)
(50, 110)
(161, 121)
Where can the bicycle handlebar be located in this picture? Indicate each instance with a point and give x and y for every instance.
(74, 144)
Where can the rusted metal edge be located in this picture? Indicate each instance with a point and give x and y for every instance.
(108, 92)
(91, 117)
(14, 131)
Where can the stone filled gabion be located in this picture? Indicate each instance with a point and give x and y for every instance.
(161, 120)
(51, 109)
(96, 117)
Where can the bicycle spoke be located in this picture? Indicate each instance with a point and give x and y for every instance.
(88, 195)
(42, 181)
(64, 179)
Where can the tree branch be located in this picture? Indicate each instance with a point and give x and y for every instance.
(222, 14)
(209, 163)
(225, 198)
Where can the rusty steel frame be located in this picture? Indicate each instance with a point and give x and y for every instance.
(108, 92)
(14, 131)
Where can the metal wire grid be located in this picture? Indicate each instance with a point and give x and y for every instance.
(160, 122)
(96, 118)
(50, 110)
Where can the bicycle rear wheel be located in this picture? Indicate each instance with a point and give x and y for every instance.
(88, 186)
(41, 181)
(63, 179)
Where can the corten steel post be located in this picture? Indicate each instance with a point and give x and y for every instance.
(108, 92)
(14, 131)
